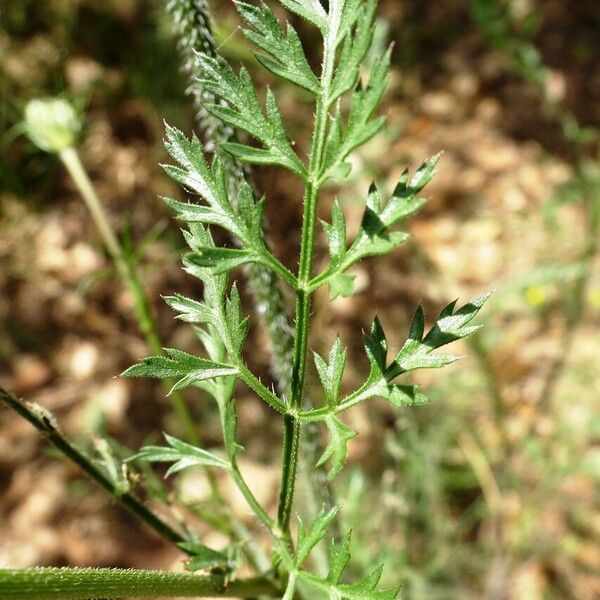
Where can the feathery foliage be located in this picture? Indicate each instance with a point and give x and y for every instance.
(347, 28)
(346, 101)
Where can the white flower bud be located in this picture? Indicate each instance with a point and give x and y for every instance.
(52, 124)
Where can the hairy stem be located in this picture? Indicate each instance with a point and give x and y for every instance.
(128, 274)
(81, 584)
(303, 296)
(44, 422)
(192, 24)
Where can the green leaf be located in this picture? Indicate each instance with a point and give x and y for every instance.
(331, 372)
(311, 10)
(243, 111)
(351, 12)
(203, 558)
(307, 540)
(215, 286)
(336, 233)
(287, 58)
(364, 589)
(450, 326)
(190, 311)
(415, 353)
(209, 182)
(339, 556)
(181, 454)
(177, 364)
(341, 284)
(354, 48)
(376, 235)
(221, 260)
(361, 128)
(337, 448)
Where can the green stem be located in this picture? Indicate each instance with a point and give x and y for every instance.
(292, 425)
(44, 422)
(127, 273)
(260, 389)
(254, 504)
(81, 584)
(191, 20)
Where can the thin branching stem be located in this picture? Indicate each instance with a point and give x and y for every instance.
(260, 389)
(291, 438)
(251, 499)
(45, 423)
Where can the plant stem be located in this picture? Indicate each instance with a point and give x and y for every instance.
(45, 423)
(127, 273)
(291, 436)
(254, 504)
(259, 389)
(192, 22)
(81, 584)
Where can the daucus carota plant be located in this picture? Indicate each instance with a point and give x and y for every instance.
(193, 26)
(346, 102)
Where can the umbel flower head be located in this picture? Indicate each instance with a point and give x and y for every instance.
(52, 124)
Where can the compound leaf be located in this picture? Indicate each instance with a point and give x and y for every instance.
(331, 372)
(286, 55)
(337, 448)
(354, 47)
(184, 367)
(240, 109)
(339, 556)
(308, 539)
(416, 353)
(376, 235)
(181, 454)
(311, 10)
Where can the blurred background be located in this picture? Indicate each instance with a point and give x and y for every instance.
(491, 490)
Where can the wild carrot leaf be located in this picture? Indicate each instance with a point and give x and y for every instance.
(181, 454)
(376, 235)
(337, 448)
(309, 538)
(286, 55)
(331, 372)
(241, 109)
(311, 10)
(188, 369)
(354, 47)
(416, 351)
